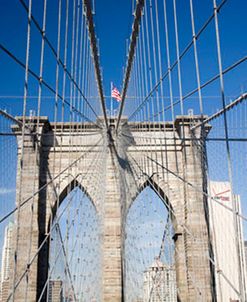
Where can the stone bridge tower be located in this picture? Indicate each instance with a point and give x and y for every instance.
(134, 158)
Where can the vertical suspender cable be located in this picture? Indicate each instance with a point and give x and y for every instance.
(23, 139)
(229, 160)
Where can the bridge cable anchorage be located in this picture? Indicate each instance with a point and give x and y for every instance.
(132, 49)
(95, 53)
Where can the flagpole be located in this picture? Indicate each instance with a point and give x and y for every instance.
(111, 102)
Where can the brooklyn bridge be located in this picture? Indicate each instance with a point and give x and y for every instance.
(130, 187)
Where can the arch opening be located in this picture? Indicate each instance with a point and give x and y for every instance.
(75, 249)
(74, 184)
(149, 251)
(159, 193)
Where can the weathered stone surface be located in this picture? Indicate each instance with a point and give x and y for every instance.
(131, 160)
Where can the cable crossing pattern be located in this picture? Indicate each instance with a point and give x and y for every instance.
(145, 203)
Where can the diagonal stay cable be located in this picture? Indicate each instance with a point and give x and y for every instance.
(58, 254)
(36, 76)
(48, 183)
(193, 186)
(49, 275)
(131, 55)
(219, 271)
(12, 118)
(65, 259)
(196, 189)
(162, 247)
(26, 270)
(214, 78)
(186, 49)
(234, 103)
(20, 124)
(58, 59)
(189, 94)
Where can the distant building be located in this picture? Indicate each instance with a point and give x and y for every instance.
(160, 283)
(7, 253)
(138, 300)
(223, 240)
(245, 255)
(55, 291)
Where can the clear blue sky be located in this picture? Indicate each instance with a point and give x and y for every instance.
(113, 21)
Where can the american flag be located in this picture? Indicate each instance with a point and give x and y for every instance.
(116, 94)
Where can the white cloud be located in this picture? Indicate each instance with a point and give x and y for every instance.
(4, 191)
